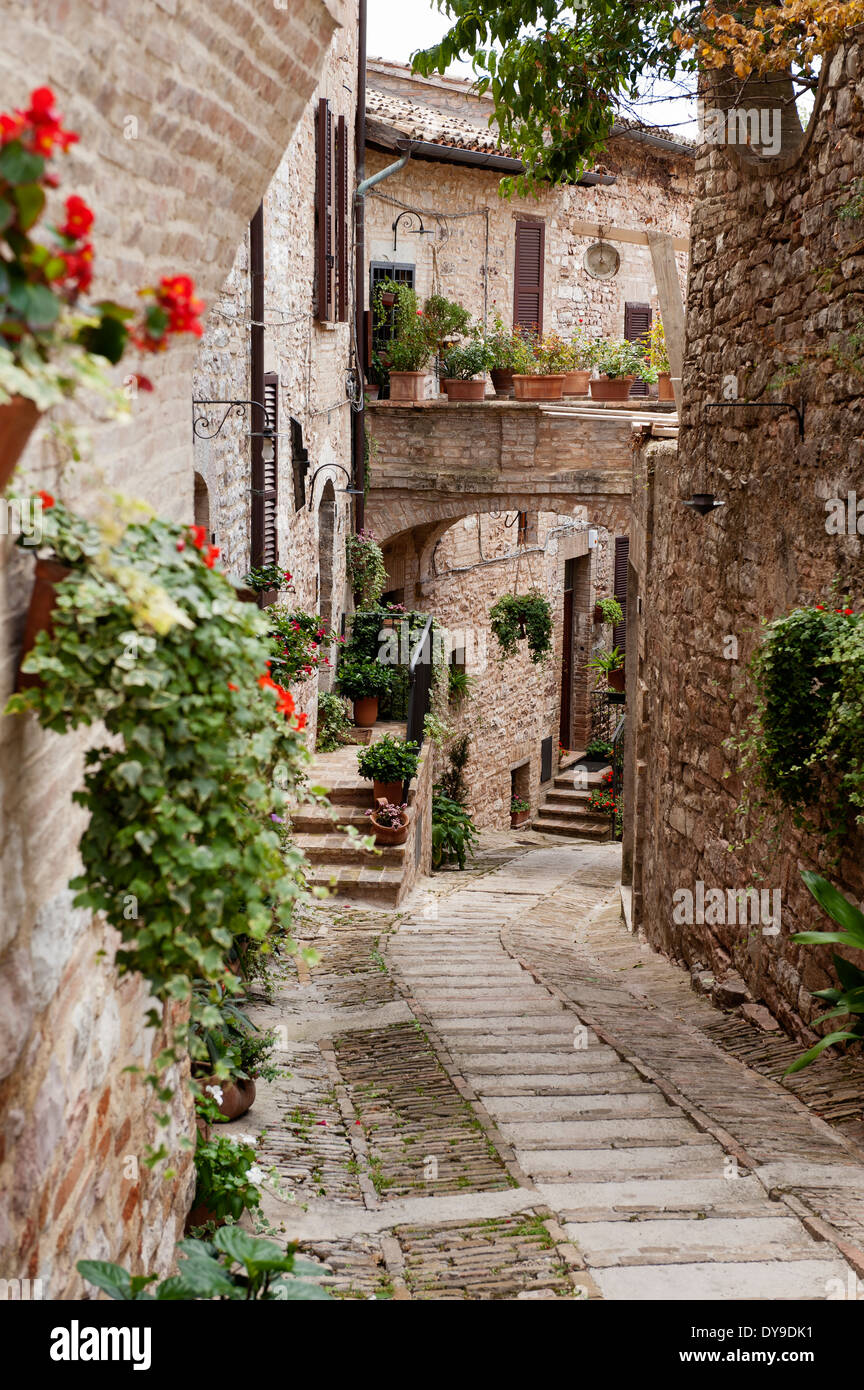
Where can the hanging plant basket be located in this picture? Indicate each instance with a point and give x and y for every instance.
(43, 600)
(17, 421)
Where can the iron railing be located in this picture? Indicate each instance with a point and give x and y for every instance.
(420, 684)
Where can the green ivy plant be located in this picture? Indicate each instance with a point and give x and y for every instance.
(232, 1266)
(849, 999)
(181, 852)
(367, 572)
(808, 674)
(334, 722)
(518, 616)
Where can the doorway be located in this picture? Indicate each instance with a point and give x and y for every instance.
(566, 723)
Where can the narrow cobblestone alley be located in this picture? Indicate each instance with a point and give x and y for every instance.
(499, 1093)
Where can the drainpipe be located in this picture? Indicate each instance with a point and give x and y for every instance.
(256, 380)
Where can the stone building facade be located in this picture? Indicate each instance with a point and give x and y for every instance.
(774, 296)
(183, 117)
(459, 239)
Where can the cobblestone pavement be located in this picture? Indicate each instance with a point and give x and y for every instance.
(498, 1093)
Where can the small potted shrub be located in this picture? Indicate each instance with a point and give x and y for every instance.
(541, 365)
(619, 364)
(409, 350)
(519, 811)
(610, 665)
(465, 368)
(658, 358)
(389, 763)
(390, 822)
(364, 681)
(502, 348)
(608, 610)
(578, 375)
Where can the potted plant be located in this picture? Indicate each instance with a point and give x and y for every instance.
(364, 681)
(390, 822)
(502, 348)
(444, 321)
(464, 367)
(52, 343)
(658, 358)
(619, 363)
(519, 811)
(540, 367)
(389, 763)
(610, 664)
(234, 1044)
(367, 573)
(396, 308)
(515, 617)
(608, 610)
(578, 374)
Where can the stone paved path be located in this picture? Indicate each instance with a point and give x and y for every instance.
(484, 1103)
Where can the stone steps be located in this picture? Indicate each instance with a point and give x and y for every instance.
(550, 821)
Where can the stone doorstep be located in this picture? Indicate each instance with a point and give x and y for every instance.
(547, 823)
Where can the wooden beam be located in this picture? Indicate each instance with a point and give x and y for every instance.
(671, 303)
(634, 236)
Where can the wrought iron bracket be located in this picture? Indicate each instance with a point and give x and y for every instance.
(202, 422)
(798, 411)
(322, 468)
(412, 217)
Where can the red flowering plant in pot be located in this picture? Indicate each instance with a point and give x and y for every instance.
(52, 340)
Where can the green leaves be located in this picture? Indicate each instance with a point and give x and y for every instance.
(518, 616)
(30, 200)
(115, 1281)
(838, 908)
(453, 832)
(208, 1270)
(19, 166)
(851, 1000)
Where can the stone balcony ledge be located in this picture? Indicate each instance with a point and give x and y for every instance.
(576, 404)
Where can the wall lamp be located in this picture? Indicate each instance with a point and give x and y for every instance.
(322, 468)
(704, 502)
(412, 217)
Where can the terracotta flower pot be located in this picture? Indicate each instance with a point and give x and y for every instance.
(538, 388)
(502, 380)
(200, 1215)
(390, 791)
(598, 614)
(518, 818)
(458, 390)
(392, 834)
(366, 711)
(576, 383)
(407, 386)
(43, 599)
(610, 388)
(17, 422)
(371, 391)
(238, 1095)
(664, 387)
(615, 679)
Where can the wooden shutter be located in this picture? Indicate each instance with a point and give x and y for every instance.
(270, 473)
(342, 220)
(324, 257)
(622, 555)
(637, 321)
(528, 275)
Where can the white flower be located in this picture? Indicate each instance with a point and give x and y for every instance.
(215, 1092)
(255, 1175)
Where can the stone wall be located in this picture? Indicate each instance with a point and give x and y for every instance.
(184, 112)
(776, 281)
(313, 361)
(513, 704)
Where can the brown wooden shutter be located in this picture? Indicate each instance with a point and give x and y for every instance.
(528, 275)
(342, 220)
(270, 473)
(637, 321)
(622, 555)
(324, 257)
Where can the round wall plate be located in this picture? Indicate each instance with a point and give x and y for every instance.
(601, 260)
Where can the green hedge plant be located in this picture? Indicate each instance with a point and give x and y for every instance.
(389, 759)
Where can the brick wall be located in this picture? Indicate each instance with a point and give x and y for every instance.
(759, 299)
(183, 115)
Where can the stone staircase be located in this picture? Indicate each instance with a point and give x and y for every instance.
(564, 809)
(335, 863)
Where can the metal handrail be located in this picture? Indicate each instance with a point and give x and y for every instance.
(415, 657)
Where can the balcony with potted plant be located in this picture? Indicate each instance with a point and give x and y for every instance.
(465, 370)
(619, 363)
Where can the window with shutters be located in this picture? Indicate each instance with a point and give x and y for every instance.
(637, 321)
(528, 275)
(332, 210)
(402, 274)
(265, 538)
(622, 555)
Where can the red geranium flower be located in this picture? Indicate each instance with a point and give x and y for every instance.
(79, 218)
(46, 499)
(301, 721)
(211, 556)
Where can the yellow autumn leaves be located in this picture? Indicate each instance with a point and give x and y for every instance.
(777, 38)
